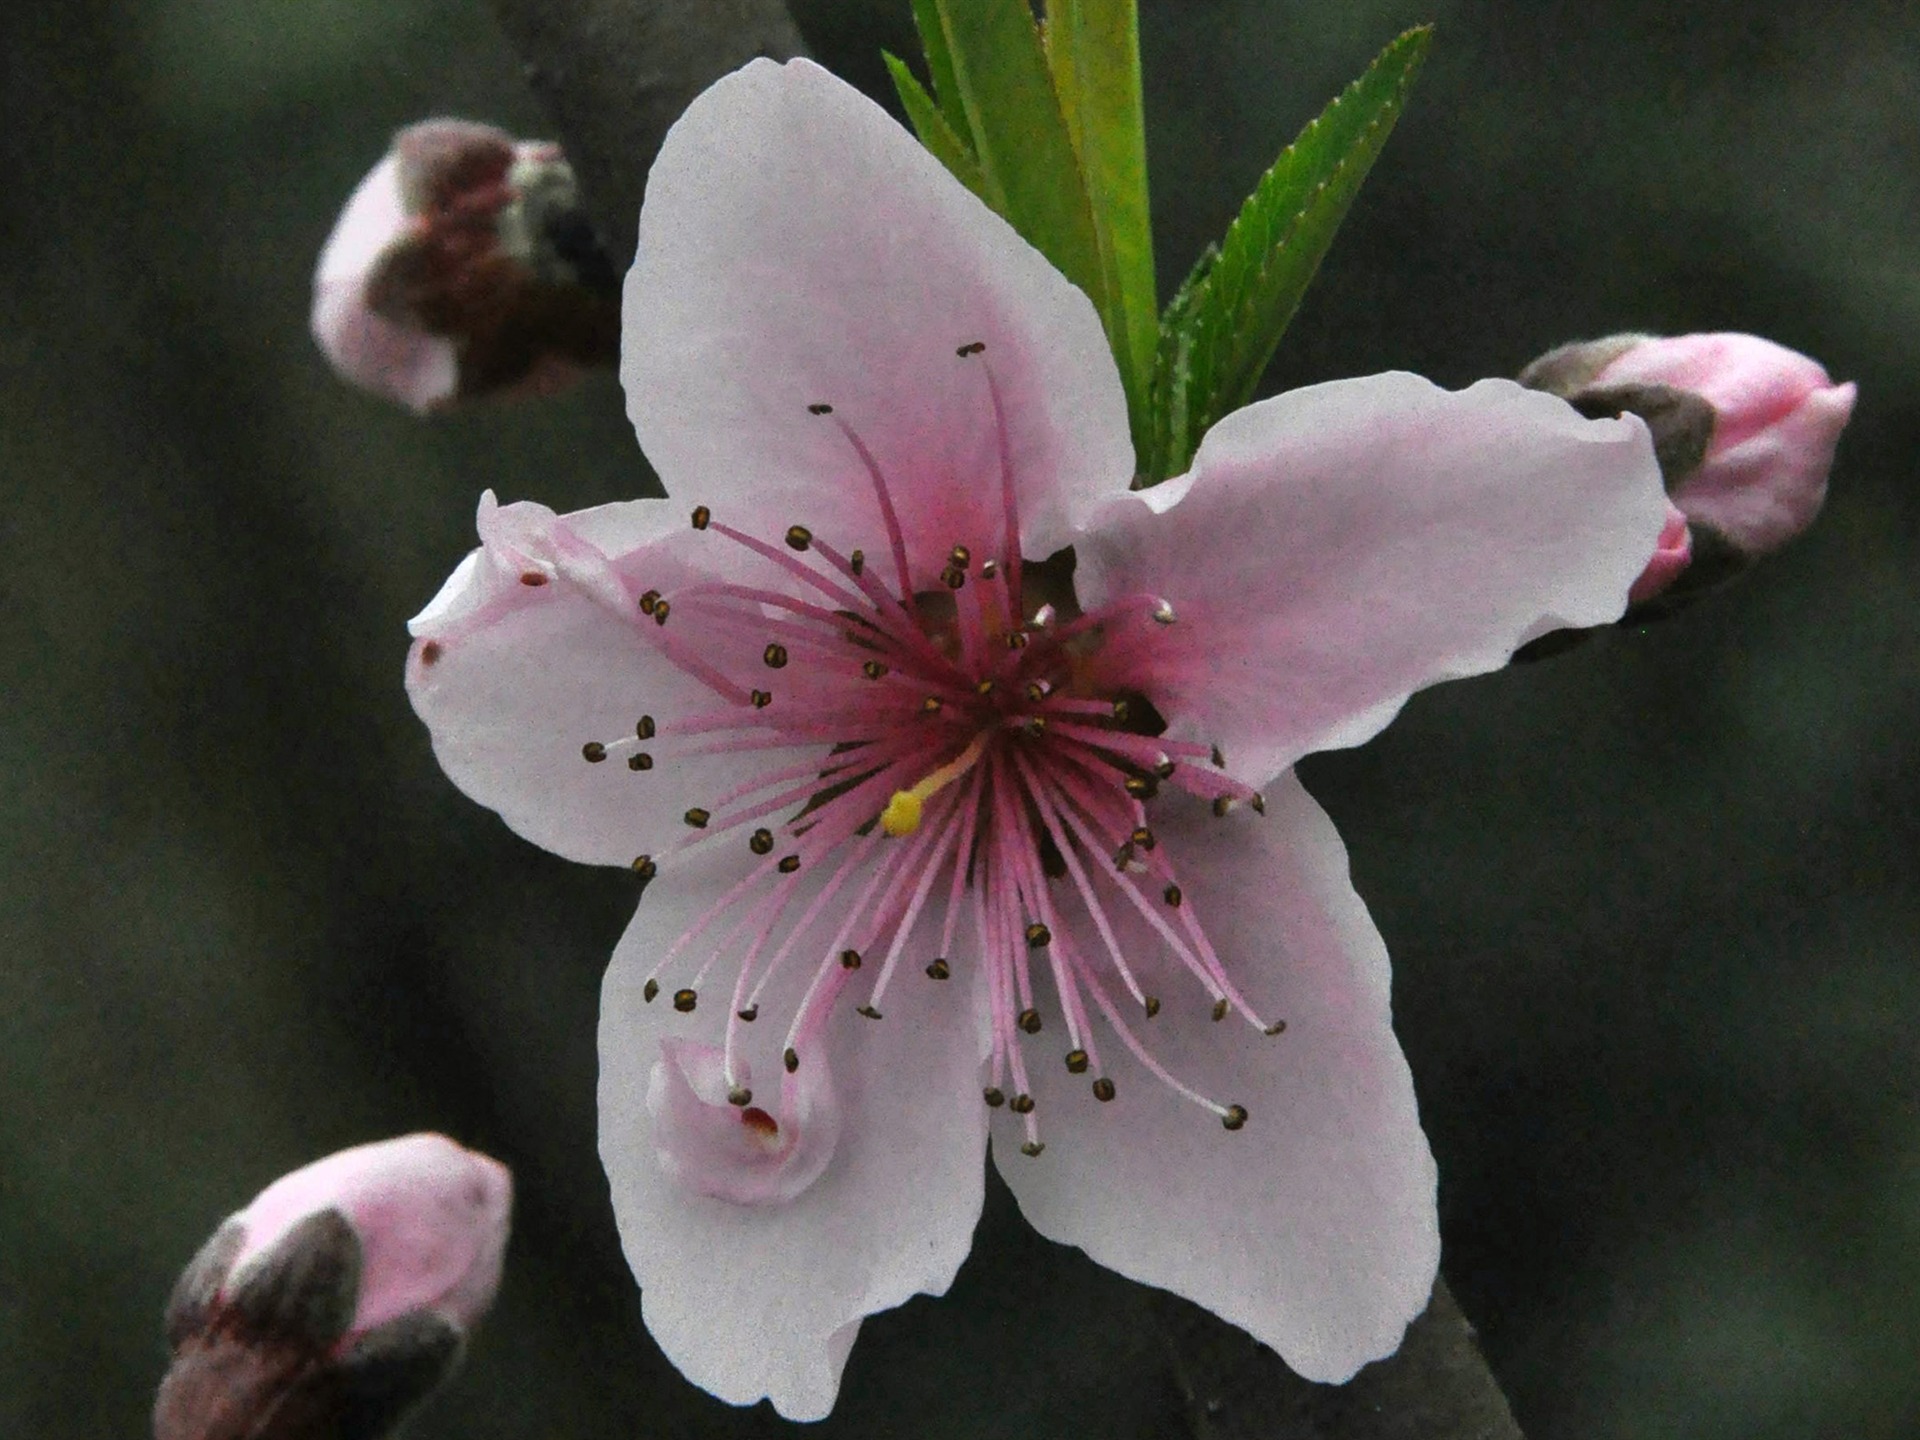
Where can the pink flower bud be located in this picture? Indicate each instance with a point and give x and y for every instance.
(1777, 419)
(431, 1218)
(462, 266)
(1673, 555)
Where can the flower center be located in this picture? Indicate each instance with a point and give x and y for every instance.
(957, 755)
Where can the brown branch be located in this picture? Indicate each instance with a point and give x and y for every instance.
(614, 74)
(1436, 1387)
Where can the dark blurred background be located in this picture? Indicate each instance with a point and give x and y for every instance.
(1652, 905)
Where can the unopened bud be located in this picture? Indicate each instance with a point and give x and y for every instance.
(1744, 430)
(339, 1298)
(464, 266)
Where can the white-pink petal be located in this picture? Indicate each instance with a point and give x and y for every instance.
(535, 647)
(798, 248)
(1314, 1227)
(755, 1299)
(373, 351)
(1338, 547)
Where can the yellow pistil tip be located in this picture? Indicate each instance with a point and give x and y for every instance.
(902, 815)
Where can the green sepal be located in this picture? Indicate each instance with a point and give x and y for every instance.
(930, 124)
(1229, 326)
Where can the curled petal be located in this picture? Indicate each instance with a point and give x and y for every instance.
(797, 249)
(761, 1294)
(1314, 1226)
(1338, 547)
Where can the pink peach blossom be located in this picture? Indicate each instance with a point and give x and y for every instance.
(1673, 554)
(928, 811)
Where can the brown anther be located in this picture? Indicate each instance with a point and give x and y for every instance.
(791, 1059)
(640, 761)
(984, 688)
(873, 670)
(1235, 1117)
(973, 347)
(740, 1095)
(1038, 690)
(953, 577)
(697, 818)
(930, 705)
(685, 1000)
(866, 1010)
(1103, 1089)
(1172, 896)
(761, 842)
(644, 728)
(788, 864)
(1038, 938)
(857, 562)
(1031, 1148)
(775, 656)
(799, 537)
(939, 970)
(430, 653)
(1152, 1005)
(1143, 837)
(761, 699)
(1021, 1104)
(1121, 709)
(995, 1096)
(1163, 613)
(532, 579)
(960, 556)
(1036, 724)
(1278, 1027)
(644, 867)
(750, 1014)
(1219, 758)
(649, 991)
(1017, 639)
(820, 409)
(1029, 1021)
(1076, 1062)
(648, 601)
(1259, 803)
(593, 752)
(1142, 787)
(1123, 857)
(989, 569)
(849, 959)
(660, 612)
(1222, 804)
(702, 517)
(1220, 1008)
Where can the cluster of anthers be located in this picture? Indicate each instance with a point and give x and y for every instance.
(955, 742)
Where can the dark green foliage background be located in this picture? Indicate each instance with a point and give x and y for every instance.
(1653, 905)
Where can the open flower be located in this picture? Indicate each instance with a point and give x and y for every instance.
(945, 832)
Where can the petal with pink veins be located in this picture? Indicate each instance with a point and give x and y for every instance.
(798, 248)
(1338, 547)
(1313, 1227)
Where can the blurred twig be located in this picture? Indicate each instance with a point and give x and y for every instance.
(614, 75)
(1436, 1387)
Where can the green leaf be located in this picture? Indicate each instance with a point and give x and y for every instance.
(933, 43)
(1093, 50)
(932, 127)
(1028, 165)
(1170, 394)
(1232, 323)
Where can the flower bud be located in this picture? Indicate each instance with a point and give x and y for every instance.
(463, 266)
(339, 1298)
(1744, 430)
